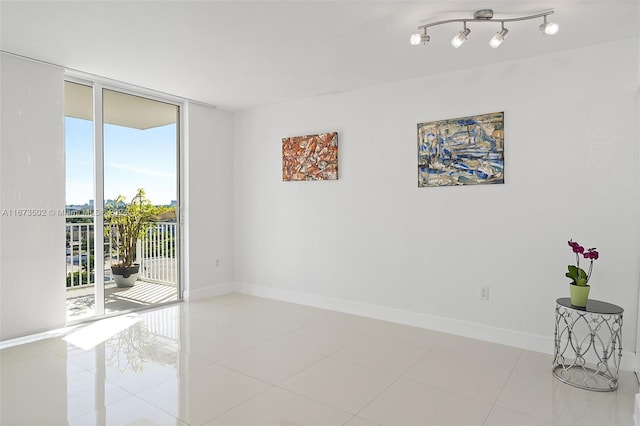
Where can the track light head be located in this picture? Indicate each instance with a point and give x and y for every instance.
(417, 39)
(497, 39)
(549, 28)
(461, 37)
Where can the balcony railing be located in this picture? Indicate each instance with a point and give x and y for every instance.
(156, 253)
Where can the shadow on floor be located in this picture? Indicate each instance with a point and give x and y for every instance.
(143, 294)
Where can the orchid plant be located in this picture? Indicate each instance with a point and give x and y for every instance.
(576, 273)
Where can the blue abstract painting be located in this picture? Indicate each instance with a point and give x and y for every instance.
(461, 151)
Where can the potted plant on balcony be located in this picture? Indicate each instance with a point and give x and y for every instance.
(125, 223)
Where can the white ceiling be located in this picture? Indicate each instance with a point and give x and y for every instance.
(242, 54)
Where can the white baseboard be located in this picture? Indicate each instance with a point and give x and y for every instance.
(209, 291)
(488, 333)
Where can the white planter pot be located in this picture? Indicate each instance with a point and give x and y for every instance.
(124, 277)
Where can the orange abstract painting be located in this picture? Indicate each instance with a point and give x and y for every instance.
(313, 157)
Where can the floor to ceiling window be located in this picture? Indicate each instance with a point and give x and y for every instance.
(122, 250)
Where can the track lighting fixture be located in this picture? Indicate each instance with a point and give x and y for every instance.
(497, 39)
(461, 37)
(549, 28)
(485, 15)
(419, 38)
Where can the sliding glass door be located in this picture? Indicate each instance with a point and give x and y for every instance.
(80, 207)
(122, 201)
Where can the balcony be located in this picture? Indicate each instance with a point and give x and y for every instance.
(157, 282)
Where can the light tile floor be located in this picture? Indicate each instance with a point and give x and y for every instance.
(242, 360)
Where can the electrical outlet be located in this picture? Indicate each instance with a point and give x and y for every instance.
(484, 293)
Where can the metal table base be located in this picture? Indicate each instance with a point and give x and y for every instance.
(587, 340)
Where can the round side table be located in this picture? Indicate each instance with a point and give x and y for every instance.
(586, 341)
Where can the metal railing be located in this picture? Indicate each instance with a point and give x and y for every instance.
(156, 253)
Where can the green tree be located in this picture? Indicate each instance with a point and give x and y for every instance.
(126, 222)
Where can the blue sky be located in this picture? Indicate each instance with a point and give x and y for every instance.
(133, 159)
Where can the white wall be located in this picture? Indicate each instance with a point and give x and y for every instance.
(208, 199)
(32, 263)
(372, 242)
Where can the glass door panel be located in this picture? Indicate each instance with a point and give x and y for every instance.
(141, 192)
(80, 230)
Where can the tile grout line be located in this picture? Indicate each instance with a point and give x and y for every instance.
(240, 403)
(401, 376)
(495, 404)
(513, 367)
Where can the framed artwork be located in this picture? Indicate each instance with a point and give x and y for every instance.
(461, 151)
(312, 157)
